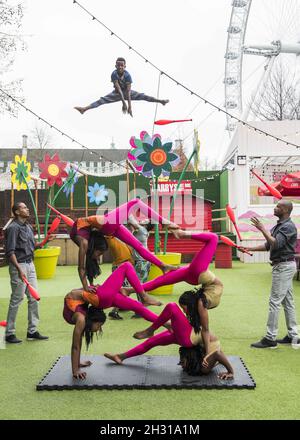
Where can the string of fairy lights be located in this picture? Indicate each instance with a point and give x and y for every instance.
(52, 126)
(208, 178)
(162, 72)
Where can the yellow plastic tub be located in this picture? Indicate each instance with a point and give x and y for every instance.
(45, 261)
(173, 258)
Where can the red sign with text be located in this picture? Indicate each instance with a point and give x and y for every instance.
(169, 187)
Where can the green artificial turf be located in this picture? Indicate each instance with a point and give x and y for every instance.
(239, 320)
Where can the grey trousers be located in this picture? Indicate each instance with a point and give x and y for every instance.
(282, 294)
(115, 97)
(18, 290)
(142, 268)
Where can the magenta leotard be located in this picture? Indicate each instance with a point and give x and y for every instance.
(181, 331)
(112, 225)
(109, 292)
(190, 273)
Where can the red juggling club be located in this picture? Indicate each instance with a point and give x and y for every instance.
(65, 218)
(54, 225)
(52, 229)
(3, 323)
(170, 121)
(227, 240)
(275, 193)
(33, 292)
(231, 215)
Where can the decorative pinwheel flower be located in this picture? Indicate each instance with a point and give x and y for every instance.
(20, 172)
(151, 157)
(97, 194)
(53, 170)
(70, 181)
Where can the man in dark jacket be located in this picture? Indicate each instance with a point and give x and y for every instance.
(281, 242)
(19, 247)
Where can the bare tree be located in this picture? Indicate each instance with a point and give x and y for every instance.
(209, 165)
(280, 99)
(41, 138)
(11, 14)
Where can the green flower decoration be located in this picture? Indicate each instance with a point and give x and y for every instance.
(152, 157)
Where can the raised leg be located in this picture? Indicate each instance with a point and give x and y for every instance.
(164, 338)
(126, 303)
(180, 325)
(137, 96)
(120, 215)
(169, 278)
(116, 280)
(203, 258)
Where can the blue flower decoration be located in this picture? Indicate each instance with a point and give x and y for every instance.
(97, 194)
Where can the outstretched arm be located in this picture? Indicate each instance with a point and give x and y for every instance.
(260, 248)
(222, 359)
(129, 98)
(119, 90)
(212, 359)
(203, 314)
(271, 241)
(83, 248)
(76, 346)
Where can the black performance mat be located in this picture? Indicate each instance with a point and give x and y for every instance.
(142, 372)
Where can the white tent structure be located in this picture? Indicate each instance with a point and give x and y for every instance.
(249, 149)
(271, 159)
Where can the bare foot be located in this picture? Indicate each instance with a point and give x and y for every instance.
(80, 109)
(85, 364)
(149, 301)
(168, 267)
(113, 357)
(144, 334)
(164, 101)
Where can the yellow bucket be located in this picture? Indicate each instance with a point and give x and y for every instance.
(173, 258)
(45, 261)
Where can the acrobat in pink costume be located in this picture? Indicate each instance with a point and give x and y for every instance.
(111, 224)
(190, 273)
(181, 335)
(109, 296)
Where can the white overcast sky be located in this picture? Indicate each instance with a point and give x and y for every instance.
(69, 60)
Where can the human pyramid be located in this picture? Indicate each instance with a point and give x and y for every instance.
(199, 350)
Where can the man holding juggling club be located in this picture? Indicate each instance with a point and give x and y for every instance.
(20, 244)
(281, 242)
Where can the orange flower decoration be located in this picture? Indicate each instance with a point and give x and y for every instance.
(53, 169)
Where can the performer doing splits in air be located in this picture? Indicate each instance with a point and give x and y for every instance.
(122, 81)
(186, 332)
(107, 295)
